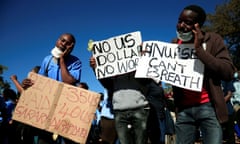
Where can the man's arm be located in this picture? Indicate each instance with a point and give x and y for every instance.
(66, 76)
(16, 83)
(228, 96)
(106, 82)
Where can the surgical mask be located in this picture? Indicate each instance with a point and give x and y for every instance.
(56, 52)
(185, 37)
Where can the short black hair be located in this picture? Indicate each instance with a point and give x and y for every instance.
(200, 11)
(9, 94)
(73, 37)
(84, 85)
(36, 69)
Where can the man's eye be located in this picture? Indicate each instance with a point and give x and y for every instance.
(190, 23)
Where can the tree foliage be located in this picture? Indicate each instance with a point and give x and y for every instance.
(226, 22)
(3, 84)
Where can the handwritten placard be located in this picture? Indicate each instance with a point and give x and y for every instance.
(116, 55)
(171, 63)
(57, 107)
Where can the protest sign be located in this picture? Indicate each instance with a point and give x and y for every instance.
(171, 63)
(57, 107)
(116, 55)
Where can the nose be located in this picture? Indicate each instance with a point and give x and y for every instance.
(64, 43)
(182, 24)
(182, 27)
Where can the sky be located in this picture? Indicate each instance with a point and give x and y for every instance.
(30, 28)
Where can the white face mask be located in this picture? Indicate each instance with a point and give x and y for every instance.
(56, 52)
(185, 37)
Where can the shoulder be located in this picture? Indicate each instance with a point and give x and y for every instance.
(73, 58)
(47, 58)
(213, 36)
(215, 43)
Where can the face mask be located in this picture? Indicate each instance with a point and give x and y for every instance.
(56, 52)
(185, 37)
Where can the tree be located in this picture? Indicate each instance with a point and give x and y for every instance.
(3, 84)
(226, 22)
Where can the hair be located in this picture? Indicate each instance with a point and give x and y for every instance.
(36, 69)
(9, 94)
(84, 85)
(200, 11)
(159, 83)
(73, 38)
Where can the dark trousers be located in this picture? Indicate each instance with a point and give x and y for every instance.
(228, 130)
(108, 132)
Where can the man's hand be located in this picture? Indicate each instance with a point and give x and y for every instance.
(13, 77)
(92, 62)
(198, 36)
(26, 83)
(63, 55)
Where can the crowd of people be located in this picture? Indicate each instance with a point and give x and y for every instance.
(136, 110)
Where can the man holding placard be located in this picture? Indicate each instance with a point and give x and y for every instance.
(205, 109)
(129, 101)
(61, 66)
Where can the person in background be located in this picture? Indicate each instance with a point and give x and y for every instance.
(83, 85)
(60, 65)
(93, 135)
(228, 127)
(235, 100)
(25, 133)
(2, 110)
(130, 105)
(108, 133)
(8, 128)
(206, 109)
(17, 84)
(156, 119)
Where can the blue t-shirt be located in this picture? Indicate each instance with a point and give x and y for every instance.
(51, 68)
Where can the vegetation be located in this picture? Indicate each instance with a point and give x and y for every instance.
(3, 84)
(226, 22)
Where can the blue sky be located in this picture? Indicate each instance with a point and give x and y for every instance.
(29, 28)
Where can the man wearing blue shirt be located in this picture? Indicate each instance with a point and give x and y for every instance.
(60, 66)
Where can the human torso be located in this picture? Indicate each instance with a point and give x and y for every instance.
(51, 68)
(127, 93)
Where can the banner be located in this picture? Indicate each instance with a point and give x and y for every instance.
(57, 107)
(116, 55)
(171, 63)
